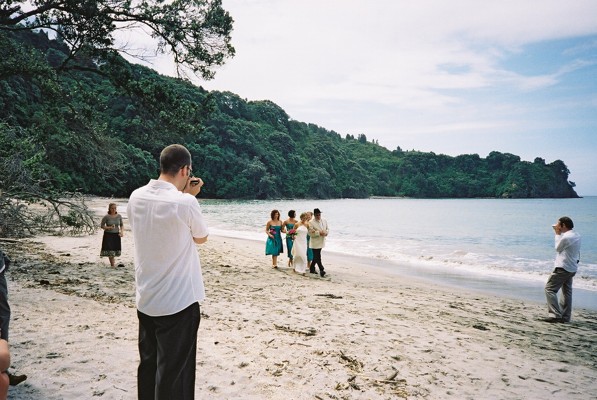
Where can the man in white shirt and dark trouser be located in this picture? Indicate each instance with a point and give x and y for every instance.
(567, 244)
(166, 222)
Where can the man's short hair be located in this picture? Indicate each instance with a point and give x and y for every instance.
(173, 158)
(567, 222)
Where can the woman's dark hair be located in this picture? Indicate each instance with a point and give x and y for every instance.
(273, 213)
(567, 222)
(291, 213)
(173, 158)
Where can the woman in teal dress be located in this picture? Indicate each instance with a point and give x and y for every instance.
(273, 245)
(289, 225)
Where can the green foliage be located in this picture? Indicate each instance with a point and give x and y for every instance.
(196, 33)
(100, 132)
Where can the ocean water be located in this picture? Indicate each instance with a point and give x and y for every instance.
(499, 244)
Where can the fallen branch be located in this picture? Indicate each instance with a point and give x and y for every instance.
(329, 295)
(309, 332)
(9, 240)
(390, 380)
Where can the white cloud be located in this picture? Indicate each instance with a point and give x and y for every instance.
(386, 51)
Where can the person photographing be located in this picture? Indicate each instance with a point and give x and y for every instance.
(567, 245)
(166, 222)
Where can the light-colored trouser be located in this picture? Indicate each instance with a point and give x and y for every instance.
(560, 279)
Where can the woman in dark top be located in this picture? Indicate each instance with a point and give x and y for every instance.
(113, 231)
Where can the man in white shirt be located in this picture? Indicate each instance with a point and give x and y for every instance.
(166, 222)
(318, 230)
(567, 245)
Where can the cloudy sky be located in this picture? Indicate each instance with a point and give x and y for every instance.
(452, 77)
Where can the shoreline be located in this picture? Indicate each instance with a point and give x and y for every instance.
(363, 333)
(500, 286)
(494, 285)
(521, 255)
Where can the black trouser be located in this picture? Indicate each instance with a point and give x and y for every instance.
(316, 260)
(168, 353)
(4, 307)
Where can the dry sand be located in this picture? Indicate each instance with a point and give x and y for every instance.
(269, 334)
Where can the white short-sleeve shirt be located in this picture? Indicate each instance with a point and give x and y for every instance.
(164, 222)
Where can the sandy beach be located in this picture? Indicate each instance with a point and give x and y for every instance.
(267, 334)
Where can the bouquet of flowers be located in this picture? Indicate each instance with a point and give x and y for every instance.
(272, 232)
(291, 234)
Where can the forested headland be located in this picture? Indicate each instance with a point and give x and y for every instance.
(98, 128)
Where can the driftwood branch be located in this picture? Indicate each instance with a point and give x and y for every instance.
(28, 214)
(308, 332)
(328, 295)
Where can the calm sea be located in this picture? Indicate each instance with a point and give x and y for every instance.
(489, 244)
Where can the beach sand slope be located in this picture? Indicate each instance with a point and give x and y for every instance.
(266, 334)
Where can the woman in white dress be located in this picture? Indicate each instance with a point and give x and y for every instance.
(299, 247)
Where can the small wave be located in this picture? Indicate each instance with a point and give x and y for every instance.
(418, 255)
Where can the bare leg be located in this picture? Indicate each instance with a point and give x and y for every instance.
(4, 383)
(111, 261)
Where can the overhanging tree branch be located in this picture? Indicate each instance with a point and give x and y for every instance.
(195, 32)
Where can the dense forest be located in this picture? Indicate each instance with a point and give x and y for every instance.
(98, 128)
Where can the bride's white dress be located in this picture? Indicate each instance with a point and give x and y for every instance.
(299, 250)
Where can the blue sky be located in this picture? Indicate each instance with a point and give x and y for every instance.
(453, 77)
